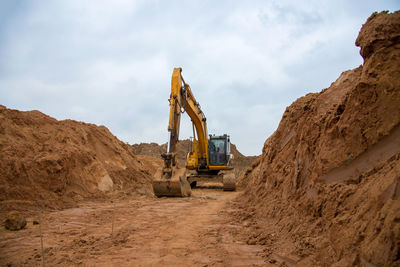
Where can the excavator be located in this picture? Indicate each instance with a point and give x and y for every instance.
(209, 160)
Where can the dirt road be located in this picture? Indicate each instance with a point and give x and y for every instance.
(146, 232)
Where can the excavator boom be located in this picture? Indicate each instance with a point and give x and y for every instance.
(171, 180)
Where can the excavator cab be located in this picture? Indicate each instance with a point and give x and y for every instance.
(219, 150)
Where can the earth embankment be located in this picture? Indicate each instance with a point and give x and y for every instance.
(327, 188)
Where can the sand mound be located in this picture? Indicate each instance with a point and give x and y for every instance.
(56, 163)
(240, 161)
(327, 188)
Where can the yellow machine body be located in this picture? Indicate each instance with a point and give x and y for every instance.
(209, 154)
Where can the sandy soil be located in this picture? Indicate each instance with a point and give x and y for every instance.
(147, 232)
(326, 190)
(56, 164)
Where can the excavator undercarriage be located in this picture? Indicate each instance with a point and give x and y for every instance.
(226, 179)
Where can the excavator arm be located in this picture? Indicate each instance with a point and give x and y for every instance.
(182, 100)
(171, 180)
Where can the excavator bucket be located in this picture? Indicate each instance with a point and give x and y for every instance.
(171, 184)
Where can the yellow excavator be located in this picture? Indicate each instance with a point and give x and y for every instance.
(209, 160)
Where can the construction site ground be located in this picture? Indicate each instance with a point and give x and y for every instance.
(191, 231)
(325, 190)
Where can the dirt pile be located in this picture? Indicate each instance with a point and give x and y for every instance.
(150, 149)
(240, 162)
(54, 163)
(327, 188)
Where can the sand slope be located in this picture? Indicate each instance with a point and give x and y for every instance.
(50, 163)
(327, 188)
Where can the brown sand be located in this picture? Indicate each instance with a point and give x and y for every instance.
(55, 164)
(147, 232)
(327, 188)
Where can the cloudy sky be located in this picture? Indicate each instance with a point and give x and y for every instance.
(110, 62)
